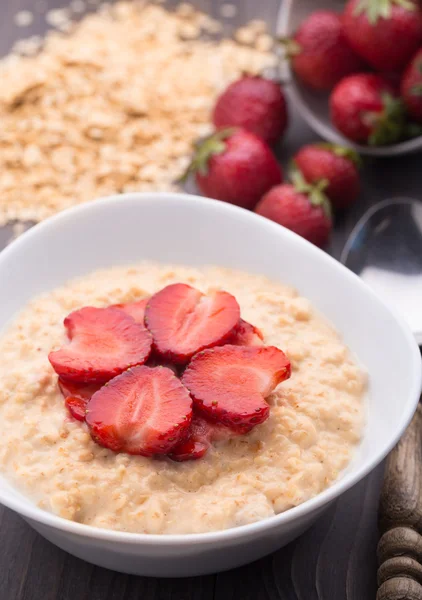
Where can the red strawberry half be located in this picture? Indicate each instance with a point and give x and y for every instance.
(103, 343)
(320, 53)
(229, 384)
(76, 396)
(256, 104)
(135, 309)
(235, 166)
(142, 411)
(246, 335)
(184, 321)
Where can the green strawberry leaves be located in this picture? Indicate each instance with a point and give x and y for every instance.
(387, 126)
(416, 90)
(315, 192)
(381, 9)
(342, 151)
(291, 47)
(204, 149)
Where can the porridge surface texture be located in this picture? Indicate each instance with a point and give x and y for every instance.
(315, 423)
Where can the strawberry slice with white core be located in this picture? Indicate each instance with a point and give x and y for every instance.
(76, 396)
(103, 343)
(183, 321)
(135, 309)
(229, 384)
(142, 411)
(197, 441)
(247, 335)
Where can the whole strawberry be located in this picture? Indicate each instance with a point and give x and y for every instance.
(367, 110)
(256, 104)
(411, 87)
(319, 52)
(336, 166)
(235, 166)
(301, 208)
(385, 33)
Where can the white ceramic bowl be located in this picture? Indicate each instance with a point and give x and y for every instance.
(313, 106)
(191, 230)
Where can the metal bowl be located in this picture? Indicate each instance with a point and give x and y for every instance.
(314, 106)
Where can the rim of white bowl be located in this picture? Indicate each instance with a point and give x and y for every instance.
(327, 132)
(34, 513)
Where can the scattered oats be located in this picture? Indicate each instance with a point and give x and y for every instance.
(258, 26)
(24, 18)
(245, 35)
(28, 46)
(58, 17)
(228, 11)
(113, 106)
(185, 10)
(264, 42)
(77, 6)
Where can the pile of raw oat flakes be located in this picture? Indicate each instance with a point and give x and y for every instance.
(112, 103)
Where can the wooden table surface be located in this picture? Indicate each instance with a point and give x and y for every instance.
(334, 560)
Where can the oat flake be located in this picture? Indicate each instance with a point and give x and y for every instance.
(113, 106)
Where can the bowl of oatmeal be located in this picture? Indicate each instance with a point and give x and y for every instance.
(235, 381)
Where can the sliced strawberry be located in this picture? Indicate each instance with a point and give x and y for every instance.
(76, 396)
(184, 321)
(229, 384)
(142, 411)
(246, 335)
(197, 441)
(135, 309)
(103, 343)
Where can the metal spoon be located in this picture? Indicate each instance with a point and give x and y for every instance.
(385, 249)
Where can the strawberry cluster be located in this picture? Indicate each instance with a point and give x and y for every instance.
(370, 57)
(364, 58)
(169, 374)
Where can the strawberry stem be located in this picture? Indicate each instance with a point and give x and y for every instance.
(388, 126)
(291, 47)
(381, 9)
(315, 192)
(416, 90)
(343, 152)
(203, 150)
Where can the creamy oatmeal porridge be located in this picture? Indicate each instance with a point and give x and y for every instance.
(315, 422)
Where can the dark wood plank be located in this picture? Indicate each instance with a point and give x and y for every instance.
(334, 560)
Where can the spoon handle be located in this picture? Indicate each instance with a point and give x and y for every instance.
(400, 519)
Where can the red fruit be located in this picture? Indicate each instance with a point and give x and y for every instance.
(235, 166)
(411, 87)
(76, 396)
(256, 104)
(197, 441)
(366, 109)
(135, 309)
(335, 165)
(386, 33)
(184, 321)
(103, 343)
(319, 52)
(229, 384)
(246, 335)
(301, 208)
(142, 411)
